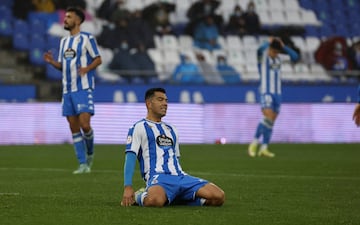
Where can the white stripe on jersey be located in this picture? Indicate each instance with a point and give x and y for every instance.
(270, 74)
(77, 51)
(156, 147)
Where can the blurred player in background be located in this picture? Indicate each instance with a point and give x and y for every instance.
(356, 115)
(78, 59)
(269, 65)
(155, 144)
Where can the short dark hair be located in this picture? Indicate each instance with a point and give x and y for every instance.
(78, 11)
(150, 92)
(276, 44)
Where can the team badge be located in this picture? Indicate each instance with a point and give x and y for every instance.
(69, 54)
(129, 139)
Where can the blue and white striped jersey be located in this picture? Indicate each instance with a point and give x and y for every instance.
(270, 69)
(75, 52)
(156, 146)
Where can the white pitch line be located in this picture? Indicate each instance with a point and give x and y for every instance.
(270, 176)
(9, 194)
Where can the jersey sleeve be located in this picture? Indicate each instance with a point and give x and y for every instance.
(261, 50)
(61, 49)
(133, 142)
(92, 46)
(177, 146)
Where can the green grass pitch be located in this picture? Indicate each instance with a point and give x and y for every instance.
(304, 184)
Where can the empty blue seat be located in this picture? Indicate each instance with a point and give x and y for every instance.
(6, 28)
(312, 31)
(52, 74)
(307, 4)
(52, 42)
(21, 42)
(47, 18)
(37, 27)
(37, 41)
(5, 12)
(20, 26)
(341, 30)
(6, 21)
(36, 56)
(7, 3)
(326, 30)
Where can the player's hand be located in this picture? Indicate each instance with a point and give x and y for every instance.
(82, 71)
(356, 115)
(48, 57)
(128, 196)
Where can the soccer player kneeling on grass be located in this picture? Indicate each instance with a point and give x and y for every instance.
(155, 144)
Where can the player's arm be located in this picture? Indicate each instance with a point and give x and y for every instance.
(129, 167)
(261, 49)
(95, 63)
(48, 57)
(294, 56)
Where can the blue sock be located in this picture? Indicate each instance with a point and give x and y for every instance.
(268, 125)
(259, 130)
(79, 146)
(89, 140)
(140, 198)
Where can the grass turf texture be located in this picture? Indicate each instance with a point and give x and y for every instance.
(303, 184)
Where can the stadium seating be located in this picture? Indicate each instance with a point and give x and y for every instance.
(319, 18)
(6, 21)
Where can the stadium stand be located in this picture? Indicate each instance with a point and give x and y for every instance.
(313, 20)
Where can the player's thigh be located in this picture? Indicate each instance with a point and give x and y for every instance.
(269, 113)
(84, 120)
(157, 195)
(210, 191)
(73, 123)
(83, 101)
(68, 108)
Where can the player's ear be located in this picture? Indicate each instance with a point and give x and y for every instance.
(147, 102)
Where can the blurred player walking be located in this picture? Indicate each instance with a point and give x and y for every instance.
(78, 59)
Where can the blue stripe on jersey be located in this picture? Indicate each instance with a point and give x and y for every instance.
(152, 147)
(68, 67)
(270, 77)
(130, 134)
(78, 62)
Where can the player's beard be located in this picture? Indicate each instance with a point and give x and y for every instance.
(68, 27)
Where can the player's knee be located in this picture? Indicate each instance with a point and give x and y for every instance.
(219, 198)
(85, 127)
(152, 201)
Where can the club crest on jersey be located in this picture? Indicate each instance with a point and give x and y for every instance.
(164, 141)
(69, 54)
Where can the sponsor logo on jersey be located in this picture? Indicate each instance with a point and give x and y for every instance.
(164, 141)
(275, 66)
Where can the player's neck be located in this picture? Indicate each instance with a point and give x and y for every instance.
(75, 31)
(153, 119)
